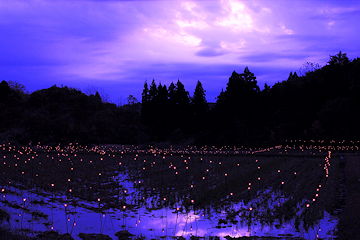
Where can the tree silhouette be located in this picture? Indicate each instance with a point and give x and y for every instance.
(182, 109)
(131, 100)
(199, 108)
(153, 91)
(145, 93)
(161, 120)
(339, 59)
(308, 67)
(236, 106)
(4, 90)
(145, 98)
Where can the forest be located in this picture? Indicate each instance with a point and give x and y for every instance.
(322, 103)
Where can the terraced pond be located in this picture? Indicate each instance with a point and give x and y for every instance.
(280, 192)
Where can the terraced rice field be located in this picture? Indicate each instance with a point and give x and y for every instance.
(295, 191)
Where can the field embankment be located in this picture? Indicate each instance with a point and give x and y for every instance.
(349, 221)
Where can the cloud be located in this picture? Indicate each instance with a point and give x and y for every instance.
(119, 44)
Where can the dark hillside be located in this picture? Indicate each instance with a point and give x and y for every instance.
(63, 115)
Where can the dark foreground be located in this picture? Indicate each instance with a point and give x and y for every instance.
(230, 173)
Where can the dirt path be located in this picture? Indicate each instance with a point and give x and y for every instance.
(349, 224)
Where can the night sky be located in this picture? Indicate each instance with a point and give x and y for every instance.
(114, 46)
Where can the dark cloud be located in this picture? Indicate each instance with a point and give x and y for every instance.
(270, 57)
(340, 14)
(210, 52)
(307, 38)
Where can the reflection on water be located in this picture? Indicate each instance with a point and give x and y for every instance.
(33, 212)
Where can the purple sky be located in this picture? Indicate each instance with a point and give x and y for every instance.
(114, 46)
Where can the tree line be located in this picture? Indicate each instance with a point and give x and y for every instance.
(322, 103)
